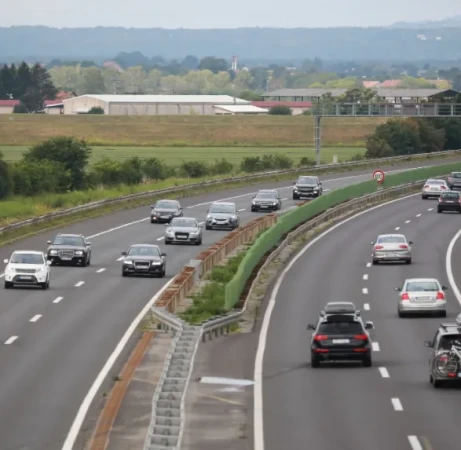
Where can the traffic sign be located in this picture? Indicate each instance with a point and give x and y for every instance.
(378, 175)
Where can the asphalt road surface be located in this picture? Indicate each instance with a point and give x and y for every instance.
(53, 343)
(391, 405)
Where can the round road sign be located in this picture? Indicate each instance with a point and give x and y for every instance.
(378, 175)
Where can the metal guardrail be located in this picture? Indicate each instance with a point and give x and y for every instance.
(185, 188)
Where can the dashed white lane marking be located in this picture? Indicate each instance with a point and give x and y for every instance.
(384, 373)
(430, 209)
(364, 291)
(407, 221)
(244, 209)
(375, 346)
(365, 276)
(368, 264)
(100, 270)
(118, 228)
(283, 199)
(57, 300)
(11, 340)
(366, 307)
(326, 190)
(414, 443)
(80, 283)
(418, 215)
(396, 404)
(161, 238)
(35, 318)
(2, 275)
(397, 228)
(121, 257)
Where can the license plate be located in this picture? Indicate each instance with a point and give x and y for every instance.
(264, 206)
(181, 237)
(164, 217)
(450, 201)
(25, 278)
(459, 375)
(340, 341)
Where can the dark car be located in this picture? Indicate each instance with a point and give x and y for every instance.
(449, 201)
(144, 259)
(454, 180)
(307, 187)
(340, 337)
(266, 200)
(69, 249)
(164, 210)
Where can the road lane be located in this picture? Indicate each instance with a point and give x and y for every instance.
(353, 407)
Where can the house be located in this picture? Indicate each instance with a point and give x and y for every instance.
(54, 106)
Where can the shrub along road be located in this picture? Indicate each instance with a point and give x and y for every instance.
(49, 364)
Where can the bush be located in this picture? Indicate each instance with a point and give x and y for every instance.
(280, 110)
(20, 109)
(251, 164)
(6, 178)
(306, 162)
(96, 110)
(107, 172)
(221, 166)
(155, 169)
(194, 169)
(282, 161)
(378, 148)
(132, 171)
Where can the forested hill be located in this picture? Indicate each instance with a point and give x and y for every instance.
(42, 43)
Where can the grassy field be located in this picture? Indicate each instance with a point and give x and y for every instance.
(174, 156)
(186, 131)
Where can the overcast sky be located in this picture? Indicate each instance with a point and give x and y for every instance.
(222, 14)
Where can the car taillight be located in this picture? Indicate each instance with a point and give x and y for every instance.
(378, 247)
(403, 246)
(426, 187)
(320, 337)
(405, 296)
(361, 337)
(440, 296)
(361, 350)
(443, 187)
(321, 350)
(440, 200)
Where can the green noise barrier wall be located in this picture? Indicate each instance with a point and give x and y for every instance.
(273, 235)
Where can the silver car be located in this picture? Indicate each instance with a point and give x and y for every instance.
(434, 188)
(391, 248)
(422, 295)
(223, 215)
(183, 229)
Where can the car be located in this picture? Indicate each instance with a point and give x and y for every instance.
(341, 335)
(391, 248)
(445, 354)
(69, 249)
(27, 268)
(449, 201)
(183, 229)
(164, 210)
(434, 188)
(222, 215)
(422, 296)
(144, 259)
(454, 180)
(266, 199)
(307, 187)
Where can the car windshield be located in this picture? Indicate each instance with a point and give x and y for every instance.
(222, 209)
(187, 223)
(456, 175)
(437, 182)
(143, 251)
(266, 195)
(450, 195)
(69, 240)
(340, 328)
(447, 341)
(391, 240)
(166, 205)
(26, 258)
(307, 180)
(422, 286)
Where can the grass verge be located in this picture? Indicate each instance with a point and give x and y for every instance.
(210, 301)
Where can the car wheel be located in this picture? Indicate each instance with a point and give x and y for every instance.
(162, 275)
(375, 262)
(209, 228)
(89, 261)
(367, 362)
(423, 197)
(167, 242)
(44, 285)
(439, 210)
(124, 274)
(400, 314)
(295, 197)
(315, 362)
(443, 313)
(199, 242)
(408, 261)
(436, 383)
(8, 285)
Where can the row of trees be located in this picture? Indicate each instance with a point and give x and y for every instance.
(414, 135)
(32, 85)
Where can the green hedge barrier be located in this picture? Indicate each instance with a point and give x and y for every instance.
(290, 220)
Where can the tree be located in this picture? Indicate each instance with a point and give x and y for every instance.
(23, 80)
(20, 109)
(72, 153)
(96, 110)
(7, 81)
(432, 138)
(403, 136)
(250, 96)
(378, 148)
(456, 84)
(41, 88)
(190, 62)
(6, 180)
(214, 64)
(91, 82)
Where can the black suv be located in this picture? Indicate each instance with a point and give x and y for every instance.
(165, 210)
(307, 187)
(449, 201)
(266, 200)
(69, 249)
(340, 335)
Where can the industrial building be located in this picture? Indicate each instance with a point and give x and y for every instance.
(141, 105)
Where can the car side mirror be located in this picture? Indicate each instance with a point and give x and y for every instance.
(444, 288)
(294, 182)
(410, 242)
(48, 263)
(88, 243)
(152, 206)
(428, 344)
(372, 243)
(162, 254)
(369, 326)
(310, 327)
(48, 242)
(5, 261)
(124, 253)
(167, 224)
(320, 183)
(397, 289)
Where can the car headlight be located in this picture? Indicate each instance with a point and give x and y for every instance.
(128, 261)
(194, 233)
(208, 217)
(254, 202)
(40, 269)
(169, 231)
(315, 190)
(156, 263)
(10, 269)
(53, 252)
(295, 189)
(274, 203)
(79, 252)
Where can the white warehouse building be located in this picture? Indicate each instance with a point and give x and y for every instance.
(143, 105)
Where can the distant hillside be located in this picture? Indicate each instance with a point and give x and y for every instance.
(357, 44)
(454, 21)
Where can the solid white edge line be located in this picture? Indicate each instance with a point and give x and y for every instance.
(35, 318)
(384, 373)
(2, 275)
(375, 346)
(414, 443)
(161, 238)
(10, 340)
(57, 300)
(81, 414)
(121, 257)
(366, 307)
(365, 291)
(396, 404)
(258, 425)
(451, 278)
(241, 210)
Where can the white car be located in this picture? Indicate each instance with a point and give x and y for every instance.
(434, 188)
(27, 268)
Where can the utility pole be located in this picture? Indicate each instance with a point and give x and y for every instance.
(317, 137)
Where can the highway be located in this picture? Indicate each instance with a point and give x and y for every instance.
(55, 342)
(391, 405)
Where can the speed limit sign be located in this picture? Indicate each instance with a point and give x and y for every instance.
(378, 175)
